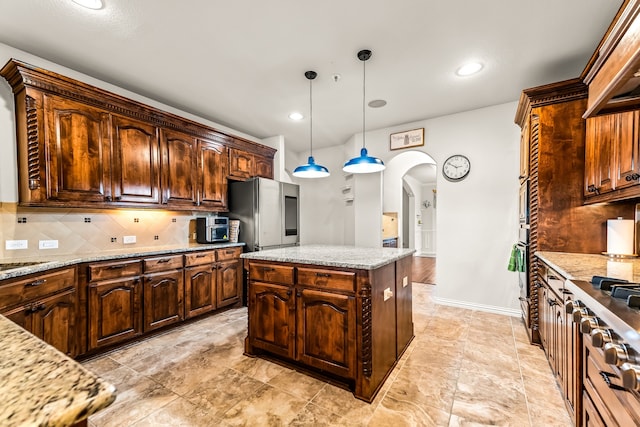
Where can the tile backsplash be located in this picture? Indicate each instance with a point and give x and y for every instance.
(81, 231)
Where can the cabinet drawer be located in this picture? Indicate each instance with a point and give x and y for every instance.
(114, 270)
(331, 279)
(37, 286)
(199, 258)
(229, 253)
(604, 386)
(162, 263)
(271, 273)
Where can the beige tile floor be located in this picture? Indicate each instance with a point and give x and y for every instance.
(463, 368)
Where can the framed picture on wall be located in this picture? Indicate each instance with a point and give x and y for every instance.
(407, 139)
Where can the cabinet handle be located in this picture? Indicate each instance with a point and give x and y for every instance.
(118, 198)
(108, 198)
(36, 307)
(35, 283)
(593, 189)
(201, 256)
(605, 376)
(163, 260)
(268, 269)
(231, 252)
(289, 292)
(323, 274)
(552, 277)
(115, 267)
(631, 177)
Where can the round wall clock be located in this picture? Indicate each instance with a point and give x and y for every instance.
(456, 168)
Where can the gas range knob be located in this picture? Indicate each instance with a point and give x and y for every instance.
(571, 306)
(601, 336)
(579, 313)
(617, 354)
(630, 376)
(588, 323)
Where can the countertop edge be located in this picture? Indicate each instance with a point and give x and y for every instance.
(70, 260)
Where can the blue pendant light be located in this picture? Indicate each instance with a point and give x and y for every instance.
(363, 163)
(311, 169)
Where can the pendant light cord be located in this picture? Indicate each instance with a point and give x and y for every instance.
(364, 86)
(310, 118)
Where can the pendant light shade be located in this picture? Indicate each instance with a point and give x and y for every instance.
(363, 163)
(311, 169)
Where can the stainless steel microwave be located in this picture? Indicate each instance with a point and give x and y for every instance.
(212, 229)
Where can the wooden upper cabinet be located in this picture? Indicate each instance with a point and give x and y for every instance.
(212, 175)
(81, 146)
(179, 165)
(240, 164)
(77, 142)
(626, 169)
(611, 157)
(244, 165)
(263, 167)
(136, 162)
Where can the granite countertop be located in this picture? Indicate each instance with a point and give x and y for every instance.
(41, 386)
(585, 266)
(56, 261)
(333, 256)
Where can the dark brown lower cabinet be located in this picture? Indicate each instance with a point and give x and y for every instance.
(272, 320)
(115, 312)
(326, 331)
(199, 290)
(228, 280)
(163, 299)
(349, 324)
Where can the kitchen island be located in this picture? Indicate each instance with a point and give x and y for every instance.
(339, 311)
(41, 386)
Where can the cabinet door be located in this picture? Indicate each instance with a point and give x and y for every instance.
(212, 175)
(19, 316)
(200, 286)
(626, 150)
(179, 165)
(543, 316)
(404, 309)
(53, 321)
(600, 153)
(114, 311)
(272, 318)
(326, 331)
(590, 149)
(77, 143)
(163, 303)
(135, 166)
(263, 167)
(240, 164)
(229, 282)
(572, 356)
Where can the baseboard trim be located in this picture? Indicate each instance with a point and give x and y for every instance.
(480, 307)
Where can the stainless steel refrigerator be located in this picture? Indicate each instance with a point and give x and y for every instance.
(268, 211)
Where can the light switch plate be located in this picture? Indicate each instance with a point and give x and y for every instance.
(127, 240)
(48, 244)
(388, 293)
(11, 245)
(405, 281)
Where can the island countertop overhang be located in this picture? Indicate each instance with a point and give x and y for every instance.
(332, 256)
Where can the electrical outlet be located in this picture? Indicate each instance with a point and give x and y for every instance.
(11, 245)
(388, 294)
(127, 240)
(405, 281)
(48, 244)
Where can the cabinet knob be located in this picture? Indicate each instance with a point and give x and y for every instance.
(571, 306)
(630, 376)
(617, 354)
(600, 337)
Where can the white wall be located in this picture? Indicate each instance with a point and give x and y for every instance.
(8, 163)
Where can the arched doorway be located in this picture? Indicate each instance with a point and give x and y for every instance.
(410, 193)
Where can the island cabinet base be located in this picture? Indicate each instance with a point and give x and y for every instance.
(350, 325)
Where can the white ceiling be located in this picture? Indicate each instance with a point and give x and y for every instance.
(241, 63)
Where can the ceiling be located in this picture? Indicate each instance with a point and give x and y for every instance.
(241, 63)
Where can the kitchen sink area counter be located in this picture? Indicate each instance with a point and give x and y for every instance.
(25, 266)
(341, 312)
(333, 256)
(41, 386)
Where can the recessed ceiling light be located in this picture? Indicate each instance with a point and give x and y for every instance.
(296, 116)
(377, 103)
(469, 68)
(89, 4)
